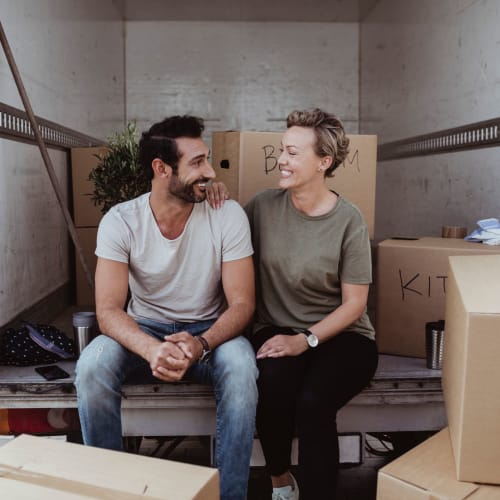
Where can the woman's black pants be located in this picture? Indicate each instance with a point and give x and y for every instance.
(300, 396)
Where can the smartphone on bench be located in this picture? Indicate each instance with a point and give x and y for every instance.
(51, 372)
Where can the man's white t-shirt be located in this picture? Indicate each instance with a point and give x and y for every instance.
(179, 279)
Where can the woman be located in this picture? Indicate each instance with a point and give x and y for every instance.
(314, 342)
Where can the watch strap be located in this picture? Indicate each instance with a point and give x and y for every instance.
(205, 348)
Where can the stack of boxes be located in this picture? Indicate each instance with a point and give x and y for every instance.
(86, 217)
(463, 460)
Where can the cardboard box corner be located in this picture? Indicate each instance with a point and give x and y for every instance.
(83, 160)
(427, 472)
(87, 237)
(470, 366)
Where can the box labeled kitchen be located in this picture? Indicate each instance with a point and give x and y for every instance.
(411, 284)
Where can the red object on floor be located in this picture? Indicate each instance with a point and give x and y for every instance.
(38, 420)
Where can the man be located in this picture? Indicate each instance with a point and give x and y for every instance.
(190, 273)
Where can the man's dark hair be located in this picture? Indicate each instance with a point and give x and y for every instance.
(159, 140)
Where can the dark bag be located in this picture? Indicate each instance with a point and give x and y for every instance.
(35, 345)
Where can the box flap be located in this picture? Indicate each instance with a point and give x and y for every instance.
(430, 242)
(12, 488)
(478, 280)
(431, 467)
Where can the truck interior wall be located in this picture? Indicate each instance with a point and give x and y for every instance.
(34, 242)
(70, 56)
(428, 66)
(241, 75)
(408, 67)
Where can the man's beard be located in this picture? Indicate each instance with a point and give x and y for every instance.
(186, 191)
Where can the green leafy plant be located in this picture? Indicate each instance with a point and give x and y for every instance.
(118, 176)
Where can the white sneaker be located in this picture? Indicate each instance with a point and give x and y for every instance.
(287, 492)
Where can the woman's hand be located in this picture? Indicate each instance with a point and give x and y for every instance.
(283, 345)
(217, 194)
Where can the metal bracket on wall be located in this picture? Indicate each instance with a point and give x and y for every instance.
(15, 125)
(475, 135)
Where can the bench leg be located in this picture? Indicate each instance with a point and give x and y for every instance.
(132, 444)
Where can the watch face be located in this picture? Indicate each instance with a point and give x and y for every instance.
(312, 340)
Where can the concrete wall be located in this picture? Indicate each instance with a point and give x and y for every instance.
(70, 56)
(428, 66)
(241, 75)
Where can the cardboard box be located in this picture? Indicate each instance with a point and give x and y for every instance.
(411, 289)
(83, 160)
(471, 368)
(35, 467)
(247, 162)
(88, 238)
(427, 472)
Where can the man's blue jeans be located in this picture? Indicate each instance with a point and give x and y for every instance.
(105, 364)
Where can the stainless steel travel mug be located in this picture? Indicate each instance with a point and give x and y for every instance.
(434, 344)
(84, 329)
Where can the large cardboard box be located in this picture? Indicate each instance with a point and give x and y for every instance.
(36, 467)
(88, 238)
(247, 162)
(471, 367)
(427, 472)
(83, 160)
(411, 289)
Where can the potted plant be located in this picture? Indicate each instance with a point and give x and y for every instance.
(118, 177)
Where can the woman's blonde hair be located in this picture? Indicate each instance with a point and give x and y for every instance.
(331, 139)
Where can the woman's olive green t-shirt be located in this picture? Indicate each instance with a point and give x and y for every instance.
(300, 261)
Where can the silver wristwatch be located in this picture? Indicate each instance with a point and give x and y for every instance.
(312, 340)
